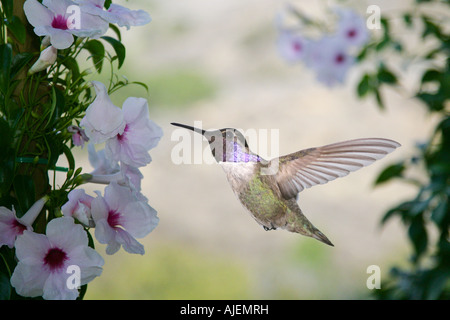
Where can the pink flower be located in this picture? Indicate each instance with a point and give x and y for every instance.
(79, 206)
(11, 227)
(351, 29)
(115, 13)
(79, 137)
(51, 18)
(120, 218)
(44, 260)
(103, 120)
(330, 60)
(292, 47)
(139, 135)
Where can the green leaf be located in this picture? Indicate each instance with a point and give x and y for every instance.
(19, 61)
(7, 158)
(72, 65)
(431, 75)
(140, 84)
(25, 192)
(16, 27)
(439, 213)
(364, 86)
(5, 67)
(418, 236)
(116, 30)
(97, 51)
(118, 47)
(5, 287)
(435, 102)
(407, 19)
(7, 8)
(380, 103)
(386, 76)
(392, 171)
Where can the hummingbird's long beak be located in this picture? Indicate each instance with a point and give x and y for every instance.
(201, 131)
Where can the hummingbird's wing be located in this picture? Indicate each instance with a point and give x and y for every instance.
(309, 167)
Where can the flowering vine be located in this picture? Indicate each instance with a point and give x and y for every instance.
(47, 108)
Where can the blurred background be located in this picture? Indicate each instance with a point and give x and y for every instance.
(217, 62)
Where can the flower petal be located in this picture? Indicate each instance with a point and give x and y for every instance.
(37, 14)
(64, 233)
(103, 120)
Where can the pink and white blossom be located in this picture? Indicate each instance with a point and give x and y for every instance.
(330, 59)
(292, 47)
(11, 226)
(79, 137)
(351, 28)
(115, 13)
(120, 218)
(79, 206)
(44, 260)
(103, 120)
(51, 18)
(140, 134)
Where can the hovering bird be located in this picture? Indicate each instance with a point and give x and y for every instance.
(269, 189)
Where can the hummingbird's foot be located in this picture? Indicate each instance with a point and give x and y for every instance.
(271, 228)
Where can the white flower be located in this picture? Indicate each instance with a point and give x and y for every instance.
(103, 120)
(46, 59)
(292, 47)
(120, 218)
(330, 60)
(139, 135)
(54, 18)
(79, 207)
(115, 13)
(351, 29)
(44, 259)
(102, 164)
(11, 227)
(107, 170)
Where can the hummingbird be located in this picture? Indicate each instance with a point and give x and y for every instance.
(268, 189)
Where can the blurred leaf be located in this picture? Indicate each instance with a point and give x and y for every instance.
(386, 76)
(435, 102)
(392, 171)
(5, 287)
(431, 75)
(71, 64)
(378, 98)
(118, 47)
(19, 61)
(5, 67)
(407, 19)
(431, 28)
(418, 236)
(16, 27)
(107, 4)
(97, 51)
(364, 86)
(7, 8)
(402, 210)
(439, 213)
(7, 158)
